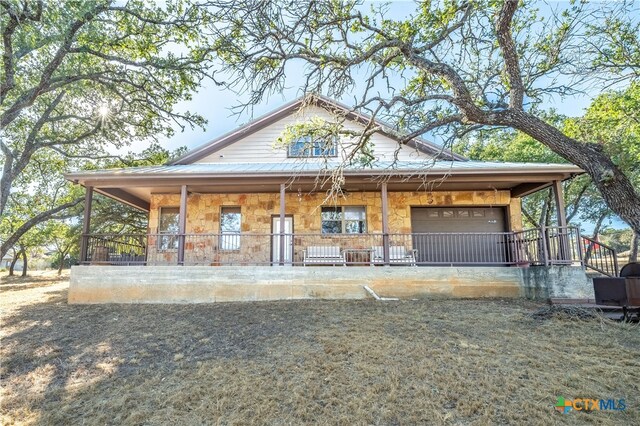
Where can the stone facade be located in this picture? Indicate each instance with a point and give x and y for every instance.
(258, 210)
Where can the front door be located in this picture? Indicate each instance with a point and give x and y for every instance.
(288, 240)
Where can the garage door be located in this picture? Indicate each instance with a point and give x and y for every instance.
(443, 239)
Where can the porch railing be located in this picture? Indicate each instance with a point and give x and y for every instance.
(546, 246)
(599, 257)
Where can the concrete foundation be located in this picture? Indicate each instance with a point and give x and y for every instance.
(203, 284)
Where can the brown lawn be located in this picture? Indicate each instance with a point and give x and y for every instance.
(326, 362)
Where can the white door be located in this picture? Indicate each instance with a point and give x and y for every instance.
(288, 241)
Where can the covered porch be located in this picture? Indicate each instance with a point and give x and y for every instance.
(247, 232)
(471, 219)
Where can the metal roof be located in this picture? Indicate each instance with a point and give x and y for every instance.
(388, 167)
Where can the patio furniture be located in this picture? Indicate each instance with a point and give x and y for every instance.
(324, 255)
(398, 255)
(358, 256)
(621, 291)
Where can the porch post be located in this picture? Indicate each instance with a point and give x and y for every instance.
(182, 224)
(560, 208)
(562, 220)
(385, 224)
(86, 223)
(282, 219)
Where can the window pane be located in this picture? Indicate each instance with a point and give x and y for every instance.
(350, 220)
(230, 219)
(167, 242)
(230, 241)
(354, 227)
(331, 227)
(324, 147)
(354, 213)
(169, 224)
(331, 213)
(300, 147)
(169, 220)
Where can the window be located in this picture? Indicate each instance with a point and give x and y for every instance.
(306, 146)
(344, 220)
(168, 225)
(230, 228)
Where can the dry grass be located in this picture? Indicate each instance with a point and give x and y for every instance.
(326, 362)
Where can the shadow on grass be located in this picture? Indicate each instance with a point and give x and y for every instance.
(345, 361)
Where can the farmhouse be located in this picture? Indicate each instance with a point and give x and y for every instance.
(247, 217)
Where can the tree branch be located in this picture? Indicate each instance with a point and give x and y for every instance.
(505, 41)
(44, 216)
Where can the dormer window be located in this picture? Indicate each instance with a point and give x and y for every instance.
(307, 146)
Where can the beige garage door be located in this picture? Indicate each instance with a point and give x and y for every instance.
(477, 235)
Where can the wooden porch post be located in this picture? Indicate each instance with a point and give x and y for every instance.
(182, 224)
(562, 220)
(385, 224)
(84, 238)
(282, 219)
(560, 207)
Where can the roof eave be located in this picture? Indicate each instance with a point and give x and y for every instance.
(84, 177)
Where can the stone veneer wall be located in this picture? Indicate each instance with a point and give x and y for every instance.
(203, 217)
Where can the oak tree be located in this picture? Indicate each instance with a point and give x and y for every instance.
(451, 68)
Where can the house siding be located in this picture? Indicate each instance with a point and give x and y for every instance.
(261, 145)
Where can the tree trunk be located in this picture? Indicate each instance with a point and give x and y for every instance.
(16, 256)
(596, 228)
(635, 242)
(63, 255)
(613, 184)
(24, 263)
(544, 212)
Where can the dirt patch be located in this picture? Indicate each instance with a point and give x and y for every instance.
(565, 312)
(328, 362)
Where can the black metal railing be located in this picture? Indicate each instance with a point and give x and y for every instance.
(115, 249)
(547, 246)
(599, 257)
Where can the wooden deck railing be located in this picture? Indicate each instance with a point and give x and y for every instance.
(548, 246)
